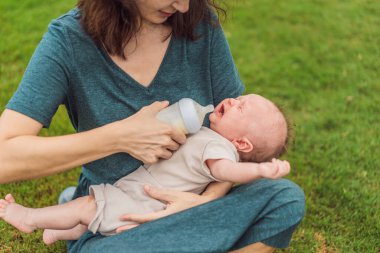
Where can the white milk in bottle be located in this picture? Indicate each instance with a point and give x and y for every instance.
(186, 115)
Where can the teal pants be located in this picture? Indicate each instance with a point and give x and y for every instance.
(266, 211)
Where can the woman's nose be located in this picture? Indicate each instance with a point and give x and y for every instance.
(181, 5)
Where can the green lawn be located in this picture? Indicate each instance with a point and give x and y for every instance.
(317, 58)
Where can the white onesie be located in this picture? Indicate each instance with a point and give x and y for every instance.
(186, 171)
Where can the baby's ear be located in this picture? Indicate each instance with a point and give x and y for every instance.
(243, 145)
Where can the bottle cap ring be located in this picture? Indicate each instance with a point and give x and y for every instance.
(189, 115)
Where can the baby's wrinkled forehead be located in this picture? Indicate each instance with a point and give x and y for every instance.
(258, 104)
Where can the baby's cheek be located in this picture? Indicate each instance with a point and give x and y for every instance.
(213, 118)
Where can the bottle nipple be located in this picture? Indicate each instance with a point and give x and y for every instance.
(207, 109)
(193, 114)
(203, 110)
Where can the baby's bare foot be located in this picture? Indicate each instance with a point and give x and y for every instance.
(15, 214)
(49, 236)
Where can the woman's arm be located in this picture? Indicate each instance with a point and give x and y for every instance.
(24, 155)
(176, 201)
(216, 190)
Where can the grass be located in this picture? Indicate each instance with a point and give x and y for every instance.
(319, 59)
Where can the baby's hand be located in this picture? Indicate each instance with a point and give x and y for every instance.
(274, 169)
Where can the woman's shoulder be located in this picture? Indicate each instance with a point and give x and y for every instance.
(68, 24)
(208, 26)
(69, 20)
(209, 31)
(68, 31)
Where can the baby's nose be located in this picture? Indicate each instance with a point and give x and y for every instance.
(229, 104)
(233, 101)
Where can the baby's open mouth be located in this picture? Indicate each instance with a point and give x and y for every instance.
(221, 110)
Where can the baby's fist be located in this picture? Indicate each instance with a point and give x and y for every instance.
(274, 169)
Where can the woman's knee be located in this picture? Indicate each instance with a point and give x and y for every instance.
(281, 193)
(279, 206)
(291, 197)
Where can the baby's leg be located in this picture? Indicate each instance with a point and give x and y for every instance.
(66, 216)
(50, 236)
(15, 214)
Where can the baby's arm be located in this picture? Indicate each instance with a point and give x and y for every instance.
(244, 172)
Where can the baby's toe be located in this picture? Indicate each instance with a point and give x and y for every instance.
(10, 198)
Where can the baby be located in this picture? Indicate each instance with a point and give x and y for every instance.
(247, 135)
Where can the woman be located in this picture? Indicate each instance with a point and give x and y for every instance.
(105, 61)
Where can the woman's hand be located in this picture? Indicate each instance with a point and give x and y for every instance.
(145, 137)
(176, 201)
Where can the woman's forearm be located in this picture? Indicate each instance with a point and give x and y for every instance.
(216, 190)
(27, 156)
(24, 155)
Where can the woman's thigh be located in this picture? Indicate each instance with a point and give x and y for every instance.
(266, 210)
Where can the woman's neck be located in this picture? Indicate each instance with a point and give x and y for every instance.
(152, 28)
(148, 35)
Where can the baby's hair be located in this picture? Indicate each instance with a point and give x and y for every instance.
(289, 131)
(261, 154)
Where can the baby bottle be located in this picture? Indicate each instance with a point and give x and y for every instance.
(186, 115)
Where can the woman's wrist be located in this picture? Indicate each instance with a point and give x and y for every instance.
(216, 190)
(113, 132)
(121, 135)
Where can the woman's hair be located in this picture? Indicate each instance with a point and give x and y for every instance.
(113, 23)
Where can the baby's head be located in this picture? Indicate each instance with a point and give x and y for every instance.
(255, 125)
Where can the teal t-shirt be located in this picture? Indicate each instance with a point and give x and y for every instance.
(68, 68)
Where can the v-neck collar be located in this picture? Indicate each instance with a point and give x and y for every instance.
(123, 74)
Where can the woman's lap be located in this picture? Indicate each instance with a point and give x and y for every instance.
(265, 211)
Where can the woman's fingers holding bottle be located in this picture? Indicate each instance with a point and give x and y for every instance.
(178, 136)
(156, 154)
(145, 137)
(168, 143)
(172, 145)
(165, 154)
(155, 107)
(175, 134)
